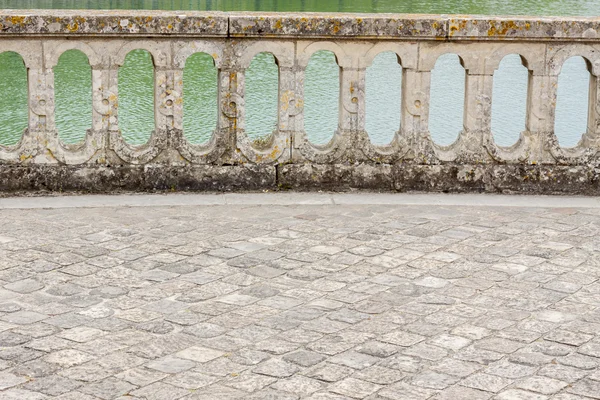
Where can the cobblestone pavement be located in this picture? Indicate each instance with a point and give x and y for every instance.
(289, 302)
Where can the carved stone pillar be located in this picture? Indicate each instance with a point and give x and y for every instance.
(41, 113)
(541, 104)
(232, 110)
(477, 118)
(352, 112)
(415, 115)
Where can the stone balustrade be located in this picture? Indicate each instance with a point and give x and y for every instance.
(104, 161)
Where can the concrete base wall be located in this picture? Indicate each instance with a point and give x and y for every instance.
(535, 179)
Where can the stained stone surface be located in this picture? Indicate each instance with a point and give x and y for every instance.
(378, 302)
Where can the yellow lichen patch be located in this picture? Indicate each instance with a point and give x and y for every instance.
(17, 20)
(278, 24)
(73, 27)
(505, 26)
(455, 27)
(272, 156)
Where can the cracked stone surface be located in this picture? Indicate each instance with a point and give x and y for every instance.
(374, 302)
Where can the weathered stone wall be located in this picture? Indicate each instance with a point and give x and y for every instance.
(230, 160)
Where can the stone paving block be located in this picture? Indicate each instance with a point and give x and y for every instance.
(68, 357)
(171, 365)
(81, 334)
(199, 354)
(354, 360)
(249, 382)
(299, 385)
(141, 376)
(21, 394)
(160, 391)
(354, 388)
(107, 389)
(24, 317)
(52, 385)
(434, 380)
(542, 384)
(191, 380)
(486, 382)
(276, 368)
(516, 394)
(8, 380)
(304, 358)
(402, 390)
(586, 387)
(25, 286)
(461, 393)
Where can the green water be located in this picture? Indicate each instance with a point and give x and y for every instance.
(383, 80)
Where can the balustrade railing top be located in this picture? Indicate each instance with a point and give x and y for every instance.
(302, 25)
(412, 161)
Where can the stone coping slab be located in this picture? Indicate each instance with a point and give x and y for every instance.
(295, 25)
(296, 199)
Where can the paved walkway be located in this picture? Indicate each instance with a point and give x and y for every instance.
(326, 301)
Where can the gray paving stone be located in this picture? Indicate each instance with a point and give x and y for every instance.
(542, 384)
(199, 354)
(434, 380)
(171, 365)
(24, 317)
(107, 389)
(586, 387)
(52, 385)
(461, 393)
(25, 286)
(516, 394)
(276, 368)
(354, 388)
(191, 380)
(299, 385)
(8, 380)
(249, 382)
(304, 358)
(160, 391)
(354, 360)
(141, 376)
(486, 382)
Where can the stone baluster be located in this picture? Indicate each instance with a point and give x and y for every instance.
(591, 138)
(291, 99)
(477, 116)
(41, 111)
(416, 85)
(541, 104)
(111, 76)
(232, 108)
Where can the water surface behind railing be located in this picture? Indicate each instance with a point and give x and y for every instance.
(73, 79)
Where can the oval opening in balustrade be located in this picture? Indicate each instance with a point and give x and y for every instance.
(199, 97)
(73, 96)
(383, 93)
(261, 99)
(321, 94)
(509, 100)
(136, 97)
(447, 99)
(13, 98)
(572, 99)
